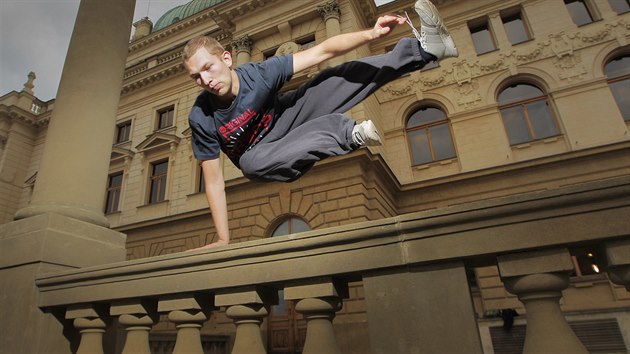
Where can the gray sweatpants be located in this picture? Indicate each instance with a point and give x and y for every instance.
(309, 123)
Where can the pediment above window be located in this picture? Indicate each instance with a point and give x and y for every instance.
(121, 154)
(158, 141)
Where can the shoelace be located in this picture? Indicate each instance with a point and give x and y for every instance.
(408, 21)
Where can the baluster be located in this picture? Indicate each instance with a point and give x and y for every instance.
(188, 313)
(538, 278)
(137, 317)
(91, 322)
(248, 308)
(318, 301)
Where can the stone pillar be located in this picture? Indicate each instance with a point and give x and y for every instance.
(91, 323)
(188, 313)
(538, 278)
(618, 262)
(419, 309)
(72, 176)
(64, 227)
(242, 48)
(318, 301)
(137, 317)
(248, 308)
(331, 14)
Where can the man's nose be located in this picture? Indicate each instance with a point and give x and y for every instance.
(205, 78)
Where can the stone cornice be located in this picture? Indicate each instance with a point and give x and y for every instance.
(222, 14)
(153, 75)
(18, 114)
(168, 31)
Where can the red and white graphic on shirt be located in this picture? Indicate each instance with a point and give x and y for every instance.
(243, 132)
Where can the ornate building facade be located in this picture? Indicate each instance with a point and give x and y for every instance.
(538, 100)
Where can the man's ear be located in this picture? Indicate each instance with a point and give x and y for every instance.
(227, 58)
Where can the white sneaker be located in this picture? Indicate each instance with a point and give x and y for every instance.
(434, 37)
(365, 134)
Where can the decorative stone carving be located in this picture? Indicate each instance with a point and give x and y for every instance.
(561, 44)
(330, 10)
(287, 48)
(242, 44)
(570, 67)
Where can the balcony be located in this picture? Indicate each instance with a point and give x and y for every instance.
(413, 269)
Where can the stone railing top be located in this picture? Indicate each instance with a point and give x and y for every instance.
(479, 231)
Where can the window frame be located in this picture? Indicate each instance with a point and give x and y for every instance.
(622, 12)
(519, 12)
(111, 208)
(591, 11)
(170, 120)
(426, 127)
(162, 187)
(126, 125)
(482, 22)
(523, 104)
(616, 79)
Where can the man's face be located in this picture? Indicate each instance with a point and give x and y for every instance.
(211, 72)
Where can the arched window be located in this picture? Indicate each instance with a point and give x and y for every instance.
(290, 225)
(618, 72)
(526, 113)
(429, 136)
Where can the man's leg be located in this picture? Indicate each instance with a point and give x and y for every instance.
(288, 158)
(306, 131)
(338, 89)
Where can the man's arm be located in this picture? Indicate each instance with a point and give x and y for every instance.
(215, 192)
(343, 43)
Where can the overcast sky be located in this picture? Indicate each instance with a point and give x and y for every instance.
(34, 36)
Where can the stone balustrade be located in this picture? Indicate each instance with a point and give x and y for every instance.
(413, 269)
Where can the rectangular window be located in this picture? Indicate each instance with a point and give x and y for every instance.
(620, 6)
(515, 26)
(114, 186)
(122, 132)
(581, 11)
(165, 117)
(158, 182)
(482, 36)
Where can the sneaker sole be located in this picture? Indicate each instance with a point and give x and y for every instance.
(429, 15)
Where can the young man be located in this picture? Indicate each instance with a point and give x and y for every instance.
(274, 136)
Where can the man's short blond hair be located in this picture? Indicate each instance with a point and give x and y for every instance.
(210, 44)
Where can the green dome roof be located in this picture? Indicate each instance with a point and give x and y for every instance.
(182, 11)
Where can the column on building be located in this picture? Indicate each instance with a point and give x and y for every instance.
(242, 48)
(73, 171)
(64, 227)
(331, 14)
